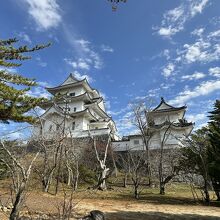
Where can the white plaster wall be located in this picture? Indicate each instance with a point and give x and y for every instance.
(78, 90)
(78, 123)
(78, 104)
(85, 122)
(172, 117)
(99, 125)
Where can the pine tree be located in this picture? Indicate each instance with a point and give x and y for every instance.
(14, 101)
(214, 149)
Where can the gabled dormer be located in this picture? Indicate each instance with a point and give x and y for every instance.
(165, 112)
(165, 107)
(70, 79)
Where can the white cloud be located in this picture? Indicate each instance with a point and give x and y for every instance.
(215, 71)
(124, 124)
(196, 117)
(214, 34)
(197, 6)
(201, 51)
(175, 19)
(25, 37)
(88, 57)
(40, 62)
(83, 64)
(46, 13)
(166, 53)
(43, 84)
(202, 89)
(80, 76)
(168, 70)
(107, 48)
(196, 75)
(198, 32)
(39, 91)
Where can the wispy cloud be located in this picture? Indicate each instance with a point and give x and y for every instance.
(204, 50)
(168, 70)
(201, 51)
(198, 32)
(80, 76)
(174, 20)
(25, 37)
(46, 13)
(39, 91)
(194, 76)
(196, 117)
(40, 62)
(202, 89)
(107, 48)
(87, 56)
(214, 71)
(83, 64)
(125, 125)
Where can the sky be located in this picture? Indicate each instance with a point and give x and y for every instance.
(146, 48)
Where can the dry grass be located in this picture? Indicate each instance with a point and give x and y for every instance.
(119, 203)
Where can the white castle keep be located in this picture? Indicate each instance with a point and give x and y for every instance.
(78, 109)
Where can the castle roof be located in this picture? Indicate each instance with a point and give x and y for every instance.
(165, 107)
(97, 108)
(181, 124)
(71, 82)
(85, 97)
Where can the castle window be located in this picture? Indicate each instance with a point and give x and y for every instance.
(73, 125)
(136, 142)
(72, 94)
(74, 109)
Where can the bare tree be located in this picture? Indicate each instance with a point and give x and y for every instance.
(143, 122)
(52, 148)
(20, 174)
(66, 207)
(133, 164)
(194, 159)
(165, 177)
(104, 170)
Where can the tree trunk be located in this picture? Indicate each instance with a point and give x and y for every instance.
(18, 202)
(47, 181)
(102, 179)
(162, 188)
(206, 191)
(70, 177)
(136, 194)
(125, 180)
(76, 179)
(136, 185)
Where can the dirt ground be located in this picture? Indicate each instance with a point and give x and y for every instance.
(121, 207)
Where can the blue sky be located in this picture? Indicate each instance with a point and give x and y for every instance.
(146, 48)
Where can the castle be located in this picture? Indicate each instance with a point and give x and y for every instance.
(167, 126)
(77, 109)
